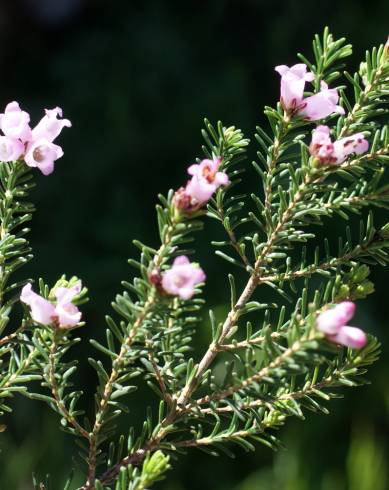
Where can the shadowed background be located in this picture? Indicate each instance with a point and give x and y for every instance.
(136, 78)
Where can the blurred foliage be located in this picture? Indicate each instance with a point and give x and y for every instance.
(366, 467)
(136, 78)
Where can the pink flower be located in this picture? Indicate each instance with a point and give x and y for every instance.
(350, 337)
(332, 319)
(206, 179)
(351, 144)
(332, 323)
(293, 83)
(36, 144)
(182, 278)
(68, 314)
(42, 154)
(10, 149)
(42, 311)
(49, 127)
(15, 123)
(321, 105)
(64, 313)
(321, 145)
(327, 152)
(315, 107)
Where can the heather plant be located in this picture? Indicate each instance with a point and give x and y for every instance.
(322, 158)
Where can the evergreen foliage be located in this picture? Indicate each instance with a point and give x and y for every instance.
(277, 363)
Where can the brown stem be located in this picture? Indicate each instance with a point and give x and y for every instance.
(158, 375)
(244, 344)
(239, 434)
(260, 375)
(214, 348)
(103, 405)
(295, 395)
(118, 362)
(12, 336)
(251, 285)
(137, 457)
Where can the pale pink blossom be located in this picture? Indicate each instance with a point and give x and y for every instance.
(332, 319)
(293, 83)
(15, 123)
(350, 337)
(332, 323)
(42, 154)
(182, 278)
(321, 105)
(36, 145)
(49, 127)
(206, 179)
(63, 313)
(42, 310)
(321, 145)
(10, 149)
(328, 152)
(313, 108)
(68, 314)
(355, 143)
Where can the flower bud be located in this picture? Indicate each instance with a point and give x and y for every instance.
(155, 277)
(360, 273)
(182, 200)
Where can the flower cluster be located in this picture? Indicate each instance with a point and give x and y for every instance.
(63, 313)
(335, 153)
(206, 178)
(313, 108)
(332, 323)
(182, 278)
(35, 145)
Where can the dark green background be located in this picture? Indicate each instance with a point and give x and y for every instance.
(136, 78)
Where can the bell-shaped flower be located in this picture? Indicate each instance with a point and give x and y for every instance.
(292, 84)
(182, 278)
(42, 154)
(42, 310)
(355, 143)
(15, 123)
(68, 313)
(321, 105)
(332, 319)
(332, 323)
(328, 152)
(350, 337)
(63, 313)
(49, 127)
(10, 149)
(321, 145)
(206, 179)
